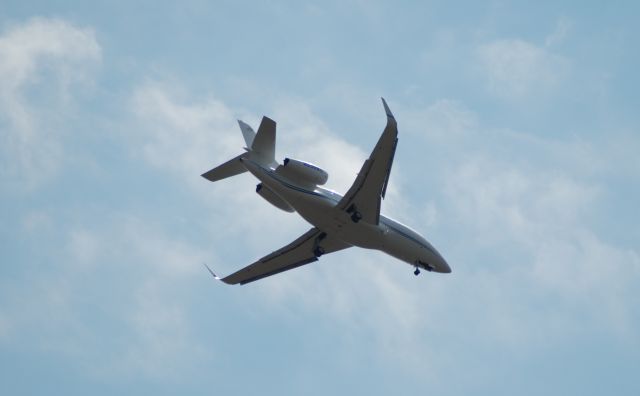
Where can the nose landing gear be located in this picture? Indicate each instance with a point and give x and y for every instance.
(421, 264)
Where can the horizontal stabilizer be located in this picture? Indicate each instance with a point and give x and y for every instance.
(230, 168)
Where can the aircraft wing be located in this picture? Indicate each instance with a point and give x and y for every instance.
(295, 254)
(370, 186)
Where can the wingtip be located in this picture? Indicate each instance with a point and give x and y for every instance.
(211, 272)
(386, 109)
(207, 175)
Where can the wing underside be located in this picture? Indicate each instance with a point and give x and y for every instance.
(370, 186)
(295, 254)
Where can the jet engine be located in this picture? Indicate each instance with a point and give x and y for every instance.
(303, 172)
(273, 198)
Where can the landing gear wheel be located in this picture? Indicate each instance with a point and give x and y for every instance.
(417, 271)
(318, 251)
(356, 217)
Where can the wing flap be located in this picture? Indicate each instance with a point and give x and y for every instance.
(295, 254)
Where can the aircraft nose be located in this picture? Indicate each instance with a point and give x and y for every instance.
(442, 265)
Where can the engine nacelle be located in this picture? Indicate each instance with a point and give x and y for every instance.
(303, 172)
(273, 198)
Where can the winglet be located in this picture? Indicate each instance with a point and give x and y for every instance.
(211, 272)
(387, 110)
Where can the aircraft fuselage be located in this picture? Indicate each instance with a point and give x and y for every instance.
(317, 206)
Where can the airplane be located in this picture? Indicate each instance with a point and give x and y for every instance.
(338, 222)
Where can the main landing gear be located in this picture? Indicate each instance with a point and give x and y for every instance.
(317, 249)
(417, 271)
(355, 215)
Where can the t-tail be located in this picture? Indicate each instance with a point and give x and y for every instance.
(260, 148)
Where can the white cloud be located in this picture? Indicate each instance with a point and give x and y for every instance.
(536, 222)
(516, 68)
(445, 120)
(491, 194)
(583, 269)
(518, 213)
(162, 336)
(83, 247)
(182, 136)
(36, 221)
(560, 33)
(121, 275)
(45, 56)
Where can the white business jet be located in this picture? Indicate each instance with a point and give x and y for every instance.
(339, 222)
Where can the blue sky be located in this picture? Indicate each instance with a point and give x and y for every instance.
(517, 159)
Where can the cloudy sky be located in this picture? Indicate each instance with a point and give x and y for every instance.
(518, 159)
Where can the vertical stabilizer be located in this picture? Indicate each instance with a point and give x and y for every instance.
(263, 148)
(247, 133)
(260, 148)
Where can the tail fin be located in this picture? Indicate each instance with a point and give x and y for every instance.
(247, 133)
(261, 148)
